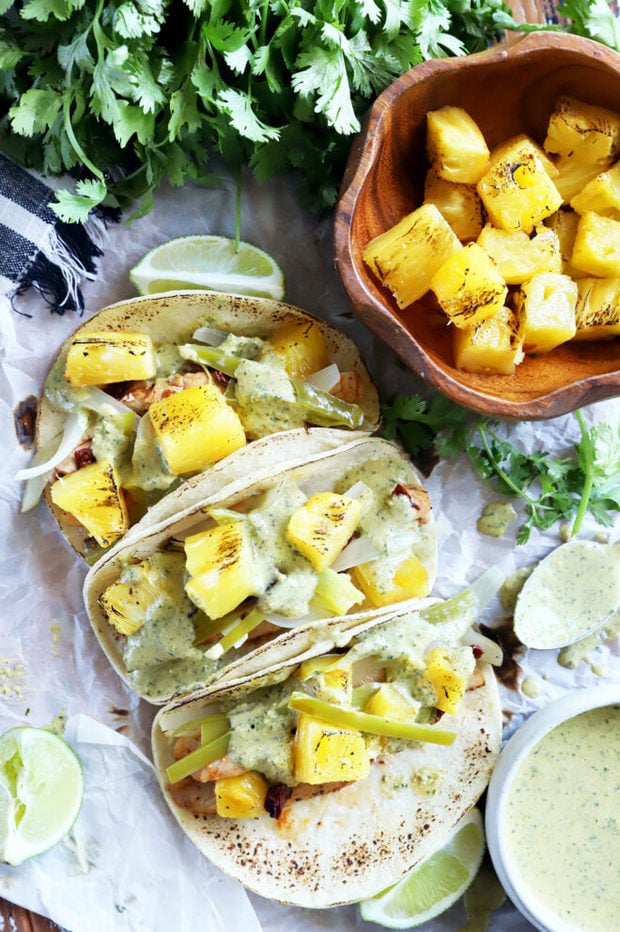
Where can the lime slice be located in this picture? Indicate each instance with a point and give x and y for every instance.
(41, 789)
(435, 884)
(212, 263)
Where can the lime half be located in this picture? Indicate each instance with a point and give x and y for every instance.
(213, 263)
(41, 790)
(435, 884)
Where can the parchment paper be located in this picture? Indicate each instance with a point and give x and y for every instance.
(126, 865)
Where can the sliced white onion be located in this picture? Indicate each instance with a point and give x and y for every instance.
(33, 489)
(74, 427)
(209, 335)
(326, 378)
(491, 652)
(359, 550)
(357, 490)
(401, 541)
(487, 586)
(95, 399)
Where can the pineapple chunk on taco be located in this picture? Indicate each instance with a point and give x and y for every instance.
(325, 779)
(151, 392)
(231, 579)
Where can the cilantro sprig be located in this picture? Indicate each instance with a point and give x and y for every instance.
(550, 488)
(125, 94)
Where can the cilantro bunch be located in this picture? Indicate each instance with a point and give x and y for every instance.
(127, 93)
(550, 489)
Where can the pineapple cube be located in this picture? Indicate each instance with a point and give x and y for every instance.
(469, 286)
(100, 357)
(449, 684)
(392, 701)
(597, 314)
(323, 753)
(601, 194)
(195, 428)
(94, 497)
(460, 204)
(455, 145)
(405, 257)
(596, 250)
(519, 256)
(545, 309)
(517, 190)
(127, 601)
(564, 224)
(242, 796)
(222, 568)
(588, 132)
(574, 175)
(493, 345)
(322, 526)
(301, 347)
(332, 681)
(384, 583)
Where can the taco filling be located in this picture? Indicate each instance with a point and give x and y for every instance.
(399, 684)
(142, 416)
(309, 547)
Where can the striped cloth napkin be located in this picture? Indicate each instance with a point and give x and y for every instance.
(37, 250)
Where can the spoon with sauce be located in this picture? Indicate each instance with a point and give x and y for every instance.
(571, 593)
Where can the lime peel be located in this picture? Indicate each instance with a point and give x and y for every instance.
(211, 263)
(41, 792)
(434, 885)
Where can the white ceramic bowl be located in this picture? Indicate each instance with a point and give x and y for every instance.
(506, 860)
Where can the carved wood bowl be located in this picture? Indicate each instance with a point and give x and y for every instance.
(507, 89)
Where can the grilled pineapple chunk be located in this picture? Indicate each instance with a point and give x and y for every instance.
(129, 600)
(460, 204)
(564, 224)
(517, 190)
(383, 582)
(597, 314)
(392, 701)
(333, 682)
(469, 286)
(519, 256)
(449, 682)
(300, 345)
(405, 257)
(100, 357)
(93, 495)
(585, 131)
(494, 345)
(322, 526)
(323, 753)
(546, 312)
(195, 428)
(596, 250)
(455, 145)
(242, 796)
(574, 175)
(222, 568)
(601, 194)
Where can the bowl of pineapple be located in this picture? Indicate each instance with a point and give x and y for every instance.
(478, 229)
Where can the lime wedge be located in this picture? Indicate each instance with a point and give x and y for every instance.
(435, 884)
(212, 263)
(41, 790)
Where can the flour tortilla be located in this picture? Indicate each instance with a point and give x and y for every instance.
(276, 456)
(350, 844)
(173, 318)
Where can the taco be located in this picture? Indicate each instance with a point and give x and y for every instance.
(234, 580)
(324, 780)
(152, 391)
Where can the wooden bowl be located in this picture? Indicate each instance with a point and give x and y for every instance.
(508, 89)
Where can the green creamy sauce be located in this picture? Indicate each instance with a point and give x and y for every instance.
(495, 519)
(561, 824)
(265, 399)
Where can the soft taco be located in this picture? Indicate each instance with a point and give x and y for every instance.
(235, 580)
(154, 390)
(324, 780)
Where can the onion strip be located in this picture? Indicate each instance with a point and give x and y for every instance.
(74, 427)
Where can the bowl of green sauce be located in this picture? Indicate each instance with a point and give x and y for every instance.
(553, 815)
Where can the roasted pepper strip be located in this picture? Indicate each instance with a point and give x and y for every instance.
(198, 758)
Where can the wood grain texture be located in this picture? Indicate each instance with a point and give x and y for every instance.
(15, 919)
(508, 89)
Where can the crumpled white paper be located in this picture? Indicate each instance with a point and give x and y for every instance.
(127, 865)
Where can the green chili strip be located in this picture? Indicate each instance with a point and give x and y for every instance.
(198, 759)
